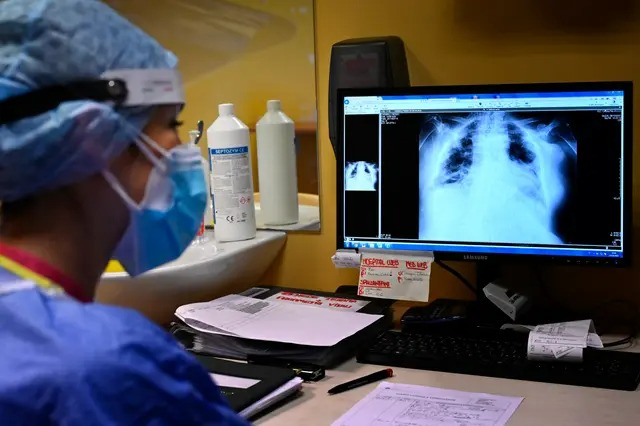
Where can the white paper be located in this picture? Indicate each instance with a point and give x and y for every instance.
(275, 321)
(339, 303)
(542, 352)
(563, 333)
(233, 381)
(594, 341)
(562, 341)
(392, 404)
(395, 276)
(346, 259)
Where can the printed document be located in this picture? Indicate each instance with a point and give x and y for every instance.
(393, 404)
(564, 341)
(273, 320)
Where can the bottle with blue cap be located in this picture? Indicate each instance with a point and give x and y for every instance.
(231, 177)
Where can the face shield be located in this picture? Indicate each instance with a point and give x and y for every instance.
(60, 134)
(118, 89)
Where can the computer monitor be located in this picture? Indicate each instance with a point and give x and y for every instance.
(534, 172)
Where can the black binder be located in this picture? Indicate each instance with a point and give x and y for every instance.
(323, 356)
(269, 379)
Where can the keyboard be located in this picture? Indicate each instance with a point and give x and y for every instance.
(499, 354)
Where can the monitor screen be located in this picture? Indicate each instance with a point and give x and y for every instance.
(481, 172)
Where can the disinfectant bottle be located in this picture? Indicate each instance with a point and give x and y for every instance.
(231, 177)
(277, 174)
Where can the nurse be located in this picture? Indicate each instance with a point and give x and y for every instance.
(91, 168)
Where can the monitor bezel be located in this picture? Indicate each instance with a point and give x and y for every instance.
(627, 208)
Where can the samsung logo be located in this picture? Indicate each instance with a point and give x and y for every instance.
(475, 257)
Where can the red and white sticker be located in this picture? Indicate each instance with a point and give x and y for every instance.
(339, 303)
(395, 276)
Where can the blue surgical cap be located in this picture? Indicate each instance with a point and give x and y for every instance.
(52, 42)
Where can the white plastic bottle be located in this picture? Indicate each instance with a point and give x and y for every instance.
(277, 172)
(231, 177)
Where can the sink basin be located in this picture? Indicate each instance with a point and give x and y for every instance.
(309, 220)
(204, 271)
(308, 213)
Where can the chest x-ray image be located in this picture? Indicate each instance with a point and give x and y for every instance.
(494, 177)
(361, 176)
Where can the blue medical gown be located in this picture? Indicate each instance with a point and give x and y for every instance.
(67, 363)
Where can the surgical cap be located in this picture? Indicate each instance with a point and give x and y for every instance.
(52, 42)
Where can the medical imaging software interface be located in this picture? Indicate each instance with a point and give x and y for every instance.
(515, 173)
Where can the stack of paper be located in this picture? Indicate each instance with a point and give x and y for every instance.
(274, 321)
(200, 335)
(564, 341)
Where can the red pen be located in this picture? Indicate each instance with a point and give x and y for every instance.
(373, 377)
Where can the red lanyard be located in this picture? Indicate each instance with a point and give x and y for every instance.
(40, 273)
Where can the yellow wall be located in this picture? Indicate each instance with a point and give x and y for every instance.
(239, 51)
(278, 64)
(242, 52)
(475, 42)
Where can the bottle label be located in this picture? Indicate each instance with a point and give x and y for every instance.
(231, 184)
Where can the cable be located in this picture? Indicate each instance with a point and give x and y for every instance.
(626, 340)
(456, 274)
(633, 328)
(632, 323)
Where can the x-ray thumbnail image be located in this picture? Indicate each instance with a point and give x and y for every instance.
(360, 176)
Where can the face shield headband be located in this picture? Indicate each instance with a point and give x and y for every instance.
(121, 88)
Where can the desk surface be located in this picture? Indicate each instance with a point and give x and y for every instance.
(544, 404)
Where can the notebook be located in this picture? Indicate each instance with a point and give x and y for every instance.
(250, 388)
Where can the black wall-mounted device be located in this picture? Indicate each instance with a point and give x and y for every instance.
(365, 62)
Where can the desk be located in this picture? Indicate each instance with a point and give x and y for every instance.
(544, 404)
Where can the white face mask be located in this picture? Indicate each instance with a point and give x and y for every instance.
(163, 225)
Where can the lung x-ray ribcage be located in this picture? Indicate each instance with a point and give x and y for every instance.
(493, 177)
